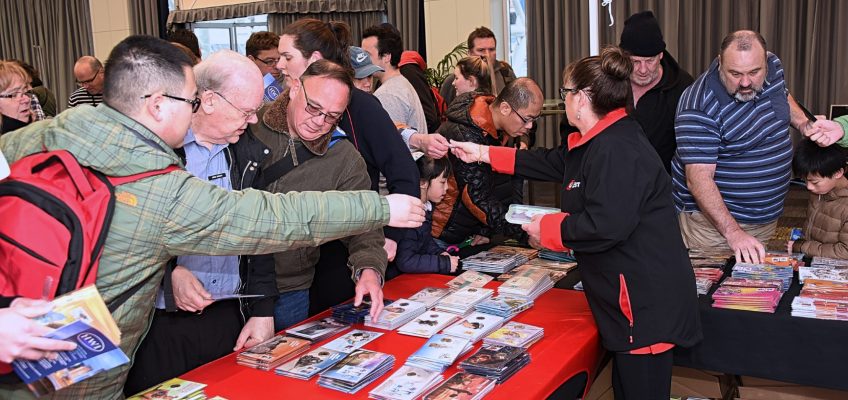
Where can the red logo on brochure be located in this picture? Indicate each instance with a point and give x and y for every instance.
(572, 185)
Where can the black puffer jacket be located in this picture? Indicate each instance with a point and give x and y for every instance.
(471, 207)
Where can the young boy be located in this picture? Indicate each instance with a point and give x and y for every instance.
(826, 229)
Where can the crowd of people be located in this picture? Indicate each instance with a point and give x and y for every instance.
(359, 148)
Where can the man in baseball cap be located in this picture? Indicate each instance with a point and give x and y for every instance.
(363, 68)
(657, 82)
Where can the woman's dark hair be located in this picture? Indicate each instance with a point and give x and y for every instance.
(331, 39)
(811, 158)
(432, 168)
(605, 78)
(479, 68)
(186, 38)
(35, 77)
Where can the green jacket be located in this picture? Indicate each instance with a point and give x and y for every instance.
(843, 120)
(339, 167)
(176, 214)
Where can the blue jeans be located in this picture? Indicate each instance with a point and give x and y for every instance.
(291, 308)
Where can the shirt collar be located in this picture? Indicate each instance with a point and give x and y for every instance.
(191, 139)
(576, 139)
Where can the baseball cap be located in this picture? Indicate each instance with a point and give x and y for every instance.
(361, 62)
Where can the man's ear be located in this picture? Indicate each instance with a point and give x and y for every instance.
(153, 106)
(504, 108)
(206, 102)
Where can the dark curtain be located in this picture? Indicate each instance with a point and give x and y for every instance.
(358, 21)
(50, 35)
(405, 15)
(144, 17)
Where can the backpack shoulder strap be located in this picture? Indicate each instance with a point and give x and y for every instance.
(120, 180)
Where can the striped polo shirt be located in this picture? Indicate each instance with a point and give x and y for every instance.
(747, 141)
(82, 96)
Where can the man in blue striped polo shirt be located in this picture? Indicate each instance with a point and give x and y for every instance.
(732, 167)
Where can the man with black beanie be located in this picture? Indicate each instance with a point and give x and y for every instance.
(657, 82)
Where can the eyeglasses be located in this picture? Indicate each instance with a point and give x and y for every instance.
(269, 61)
(83, 83)
(195, 104)
(316, 112)
(524, 120)
(564, 91)
(245, 114)
(17, 94)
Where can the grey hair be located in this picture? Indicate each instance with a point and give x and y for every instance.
(218, 71)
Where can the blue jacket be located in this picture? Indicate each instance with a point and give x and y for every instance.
(418, 253)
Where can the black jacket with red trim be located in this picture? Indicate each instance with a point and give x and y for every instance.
(623, 228)
(471, 205)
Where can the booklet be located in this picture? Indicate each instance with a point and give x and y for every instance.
(174, 389)
(407, 383)
(352, 340)
(318, 330)
(469, 278)
(310, 363)
(86, 305)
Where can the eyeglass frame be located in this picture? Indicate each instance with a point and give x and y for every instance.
(17, 94)
(245, 114)
(315, 111)
(84, 83)
(195, 104)
(524, 120)
(270, 62)
(563, 91)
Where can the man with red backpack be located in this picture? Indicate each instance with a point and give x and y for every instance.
(149, 97)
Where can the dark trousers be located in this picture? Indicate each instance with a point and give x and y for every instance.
(181, 341)
(642, 376)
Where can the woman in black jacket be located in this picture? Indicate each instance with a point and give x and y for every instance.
(619, 220)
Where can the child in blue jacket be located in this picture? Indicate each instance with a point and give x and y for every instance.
(417, 252)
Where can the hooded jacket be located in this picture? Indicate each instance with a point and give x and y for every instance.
(826, 231)
(470, 206)
(412, 67)
(175, 214)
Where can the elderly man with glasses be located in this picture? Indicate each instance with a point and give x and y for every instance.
(472, 209)
(89, 74)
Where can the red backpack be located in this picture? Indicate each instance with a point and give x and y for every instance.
(55, 217)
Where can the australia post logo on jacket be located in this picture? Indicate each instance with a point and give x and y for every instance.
(572, 185)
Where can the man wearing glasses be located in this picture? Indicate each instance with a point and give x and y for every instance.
(261, 48)
(89, 73)
(471, 208)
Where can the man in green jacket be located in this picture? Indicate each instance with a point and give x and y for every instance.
(149, 97)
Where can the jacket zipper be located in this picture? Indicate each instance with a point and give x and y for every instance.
(624, 303)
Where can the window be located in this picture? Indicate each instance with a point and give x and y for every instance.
(517, 28)
(228, 33)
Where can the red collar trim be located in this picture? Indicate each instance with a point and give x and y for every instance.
(576, 139)
(481, 115)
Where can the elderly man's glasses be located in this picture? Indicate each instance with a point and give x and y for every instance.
(17, 94)
(524, 120)
(245, 114)
(563, 91)
(195, 104)
(87, 82)
(315, 111)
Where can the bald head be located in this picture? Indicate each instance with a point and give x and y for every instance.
(520, 93)
(743, 40)
(518, 106)
(227, 71)
(89, 74)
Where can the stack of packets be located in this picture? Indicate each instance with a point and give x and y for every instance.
(319, 330)
(793, 260)
(439, 352)
(527, 253)
(818, 261)
(80, 316)
(269, 354)
(764, 272)
(430, 295)
(556, 269)
(356, 371)
(523, 214)
(493, 261)
(528, 284)
(565, 256)
(174, 389)
(505, 306)
(326, 356)
(822, 299)
(496, 362)
(463, 300)
(428, 324)
(474, 326)
(351, 314)
(761, 295)
(515, 334)
(829, 269)
(706, 277)
(407, 383)
(396, 314)
(462, 386)
(469, 278)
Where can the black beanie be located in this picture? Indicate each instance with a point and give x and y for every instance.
(642, 36)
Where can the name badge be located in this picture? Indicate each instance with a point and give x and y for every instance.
(216, 176)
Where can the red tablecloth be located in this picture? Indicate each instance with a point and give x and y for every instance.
(571, 345)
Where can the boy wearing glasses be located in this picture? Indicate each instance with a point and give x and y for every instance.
(89, 73)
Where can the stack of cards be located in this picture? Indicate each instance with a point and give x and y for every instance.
(356, 371)
(706, 277)
(462, 386)
(763, 299)
(309, 364)
(496, 362)
(463, 300)
(837, 273)
(439, 352)
(396, 314)
(351, 314)
(469, 279)
(763, 271)
(822, 299)
(557, 255)
(491, 261)
(474, 326)
(352, 341)
(428, 324)
(503, 305)
(745, 282)
(515, 334)
(828, 262)
(319, 330)
(174, 389)
(529, 284)
(523, 214)
(526, 252)
(407, 383)
(430, 295)
(272, 352)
